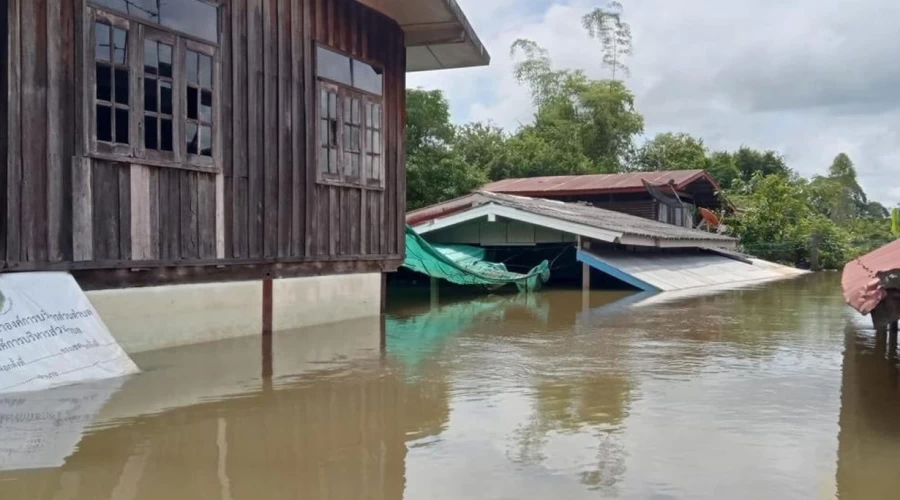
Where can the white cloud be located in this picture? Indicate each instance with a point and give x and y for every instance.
(809, 78)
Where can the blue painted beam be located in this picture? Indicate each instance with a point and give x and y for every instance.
(607, 268)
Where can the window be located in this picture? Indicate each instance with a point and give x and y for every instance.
(350, 120)
(154, 88)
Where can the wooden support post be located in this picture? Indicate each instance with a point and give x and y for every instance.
(435, 292)
(585, 277)
(893, 335)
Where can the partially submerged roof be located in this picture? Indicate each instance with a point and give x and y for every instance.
(599, 183)
(574, 218)
(438, 35)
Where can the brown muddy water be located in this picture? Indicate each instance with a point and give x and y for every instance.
(773, 392)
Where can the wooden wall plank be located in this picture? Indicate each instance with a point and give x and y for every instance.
(82, 210)
(256, 135)
(141, 248)
(310, 14)
(240, 82)
(56, 129)
(153, 200)
(13, 159)
(270, 120)
(34, 126)
(206, 215)
(105, 210)
(219, 215)
(285, 129)
(400, 138)
(123, 177)
(298, 124)
(227, 119)
(164, 207)
(190, 248)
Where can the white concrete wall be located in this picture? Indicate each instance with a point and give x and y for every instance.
(301, 302)
(145, 319)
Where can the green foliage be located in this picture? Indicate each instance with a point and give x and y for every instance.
(672, 151)
(723, 168)
(749, 162)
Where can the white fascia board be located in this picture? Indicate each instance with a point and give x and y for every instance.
(697, 244)
(489, 209)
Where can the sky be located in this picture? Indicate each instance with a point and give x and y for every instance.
(807, 78)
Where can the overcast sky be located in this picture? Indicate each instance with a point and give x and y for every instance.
(809, 78)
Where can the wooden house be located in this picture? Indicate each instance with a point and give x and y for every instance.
(674, 198)
(214, 167)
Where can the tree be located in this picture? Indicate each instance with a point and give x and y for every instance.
(750, 161)
(670, 151)
(839, 195)
(723, 168)
(428, 120)
(614, 34)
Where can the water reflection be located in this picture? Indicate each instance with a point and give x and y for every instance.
(762, 392)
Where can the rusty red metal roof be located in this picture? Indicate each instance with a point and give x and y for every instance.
(597, 184)
(862, 288)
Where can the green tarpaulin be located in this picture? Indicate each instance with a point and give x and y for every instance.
(465, 265)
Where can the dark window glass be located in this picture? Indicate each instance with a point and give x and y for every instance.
(165, 98)
(151, 103)
(151, 134)
(191, 139)
(193, 17)
(104, 123)
(192, 66)
(120, 47)
(104, 83)
(165, 60)
(205, 70)
(206, 106)
(206, 141)
(101, 41)
(165, 135)
(367, 78)
(122, 86)
(151, 57)
(333, 66)
(192, 103)
(122, 126)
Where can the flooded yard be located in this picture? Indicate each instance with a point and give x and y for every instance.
(777, 391)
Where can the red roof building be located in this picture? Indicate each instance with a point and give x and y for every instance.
(626, 193)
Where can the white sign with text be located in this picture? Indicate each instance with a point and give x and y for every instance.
(50, 335)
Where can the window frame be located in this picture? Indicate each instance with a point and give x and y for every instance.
(136, 152)
(343, 91)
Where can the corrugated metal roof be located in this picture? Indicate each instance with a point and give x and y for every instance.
(577, 213)
(689, 270)
(597, 184)
(862, 288)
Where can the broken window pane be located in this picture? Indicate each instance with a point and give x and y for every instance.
(101, 41)
(122, 126)
(333, 66)
(165, 98)
(104, 123)
(206, 106)
(151, 57)
(165, 60)
(192, 103)
(367, 78)
(151, 103)
(151, 134)
(191, 139)
(104, 82)
(123, 86)
(206, 141)
(191, 66)
(205, 70)
(165, 135)
(120, 47)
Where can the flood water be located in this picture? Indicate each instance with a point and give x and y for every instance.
(777, 391)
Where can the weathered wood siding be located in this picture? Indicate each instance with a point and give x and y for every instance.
(66, 209)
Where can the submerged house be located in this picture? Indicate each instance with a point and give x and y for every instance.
(669, 196)
(594, 246)
(213, 168)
